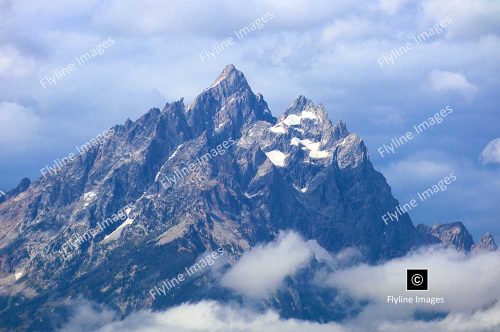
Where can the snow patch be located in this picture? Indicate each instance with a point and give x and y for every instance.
(221, 125)
(308, 115)
(292, 120)
(175, 152)
(277, 158)
(278, 129)
(116, 233)
(88, 198)
(247, 195)
(307, 143)
(319, 154)
(218, 80)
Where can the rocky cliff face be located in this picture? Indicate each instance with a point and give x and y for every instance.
(486, 243)
(21, 187)
(457, 236)
(161, 190)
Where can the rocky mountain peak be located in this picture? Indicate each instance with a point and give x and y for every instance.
(228, 83)
(487, 243)
(452, 234)
(227, 106)
(306, 108)
(21, 187)
(456, 235)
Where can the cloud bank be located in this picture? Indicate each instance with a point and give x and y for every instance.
(282, 257)
(469, 285)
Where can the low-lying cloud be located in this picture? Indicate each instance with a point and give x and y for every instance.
(262, 270)
(469, 285)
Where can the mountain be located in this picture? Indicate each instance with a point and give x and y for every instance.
(453, 234)
(457, 236)
(486, 243)
(21, 187)
(158, 192)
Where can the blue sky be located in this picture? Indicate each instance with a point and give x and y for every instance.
(325, 50)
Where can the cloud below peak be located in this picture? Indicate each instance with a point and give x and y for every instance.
(263, 269)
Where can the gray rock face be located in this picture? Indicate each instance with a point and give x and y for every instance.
(457, 236)
(222, 172)
(21, 187)
(453, 234)
(227, 106)
(487, 243)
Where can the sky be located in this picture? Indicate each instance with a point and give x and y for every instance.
(358, 58)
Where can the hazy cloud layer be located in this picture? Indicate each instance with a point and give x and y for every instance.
(471, 298)
(209, 316)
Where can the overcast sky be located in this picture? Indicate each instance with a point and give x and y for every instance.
(329, 51)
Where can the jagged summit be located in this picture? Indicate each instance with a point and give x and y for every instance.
(228, 105)
(456, 235)
(304, 107)
(20, 188)
(486, 243)
(231, 77)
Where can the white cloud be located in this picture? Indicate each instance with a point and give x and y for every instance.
(469, 285)
(210, 316)
(345, 29)
(466, 282)
(443, 81)
(153, 17)
(262, 270)
(19, 126)
(13, 63)
(87, 317)
(491, 152)
(471, 19)
(391, 7)
(204, 316)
